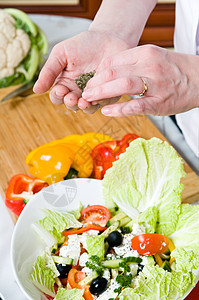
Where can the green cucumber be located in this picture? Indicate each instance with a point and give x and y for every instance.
(126, 229)
(117, 217)
(110, 229)
(62, 260)
(18, 14)
(89, 279)
(166, 266)
(114, 273)
(128, 226)
(115, 263)
(124, 221)
(111, 264)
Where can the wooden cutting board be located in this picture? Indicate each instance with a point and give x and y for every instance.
(26, 123)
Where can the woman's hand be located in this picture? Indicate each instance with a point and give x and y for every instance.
(172, 81)
(71, 58)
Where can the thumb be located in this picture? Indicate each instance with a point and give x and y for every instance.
(54, 65)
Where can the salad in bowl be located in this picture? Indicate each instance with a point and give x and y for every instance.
(127, 237)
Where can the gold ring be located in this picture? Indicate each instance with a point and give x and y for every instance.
(145, 88)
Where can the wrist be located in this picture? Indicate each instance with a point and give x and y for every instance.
(123, 19)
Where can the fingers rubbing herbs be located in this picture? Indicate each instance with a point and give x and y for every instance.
(82, 80)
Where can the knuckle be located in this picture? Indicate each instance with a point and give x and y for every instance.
(127, 84)
(109, 75)
(107, 62)
(151, 50)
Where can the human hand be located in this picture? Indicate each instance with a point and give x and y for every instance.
(171, 79)
(71, 58)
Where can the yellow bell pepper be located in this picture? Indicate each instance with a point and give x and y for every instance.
(51, 162)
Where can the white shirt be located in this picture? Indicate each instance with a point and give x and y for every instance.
(186, 40)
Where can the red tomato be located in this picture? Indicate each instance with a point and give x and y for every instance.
(74, 277)
(84, 229)
(150, 243)
(95, 214)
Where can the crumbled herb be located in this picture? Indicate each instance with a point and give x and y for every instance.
(124, 281)
(95, 264)
(82, 80)
(125, 267)
(53, 251)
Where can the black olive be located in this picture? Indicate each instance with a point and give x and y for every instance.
(114, 239)
(63, 270)
(140, 268)
(98, 285)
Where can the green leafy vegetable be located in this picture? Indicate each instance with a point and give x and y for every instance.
(77, 212)
(94, 264)
(63, 294)
(157, 284)
(56, 222)
(124, 281)
(43, 275)
(148, 218)
(187, 230)
(186, 260)
(148, 174)
(95, 246)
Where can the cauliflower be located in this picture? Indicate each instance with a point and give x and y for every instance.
(22, 46)
(14, 44)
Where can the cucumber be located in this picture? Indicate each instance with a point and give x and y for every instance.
(117, 217)
(89, 279)
(114, 273)
(115, 263)
(128, 226)
(113, 227)
(124, 221)
(111, 264)
(126, 229)
(62, 260)
(166, 266)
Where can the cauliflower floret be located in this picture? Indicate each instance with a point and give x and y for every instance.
(14, 45)
(24, 39)
(2, 59)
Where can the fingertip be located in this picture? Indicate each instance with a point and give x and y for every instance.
(83, 104)
(71, 99)
(106, 111)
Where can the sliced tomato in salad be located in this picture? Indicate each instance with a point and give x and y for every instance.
(74, 277)
(87, 227)
(150, 243)
(95, 214)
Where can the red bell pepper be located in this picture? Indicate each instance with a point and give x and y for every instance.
(106, 153)
(20, 188)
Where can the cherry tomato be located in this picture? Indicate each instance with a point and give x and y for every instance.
(95, 214)
(84, 229)
(150, 243)
(74, 277)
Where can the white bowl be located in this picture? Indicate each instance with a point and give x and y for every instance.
(26, 245)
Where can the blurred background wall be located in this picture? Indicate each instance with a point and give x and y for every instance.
(159, 29)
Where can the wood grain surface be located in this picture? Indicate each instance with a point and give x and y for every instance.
(26, 123)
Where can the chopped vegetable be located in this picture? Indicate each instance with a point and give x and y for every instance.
(20, 190)
(106, 153)
(95, 214)
(64, 158)
(87, 227)
(24, 45)
(147, 174)
(150, 243)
